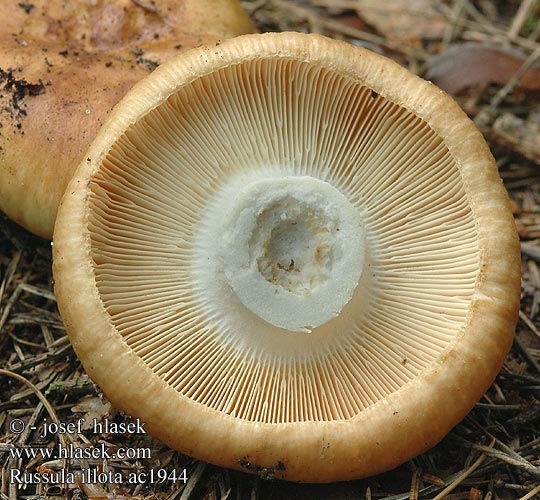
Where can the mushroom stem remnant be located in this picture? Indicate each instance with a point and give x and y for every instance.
(292, 249)
(277, 184)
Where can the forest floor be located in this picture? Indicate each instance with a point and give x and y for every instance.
(486, 54)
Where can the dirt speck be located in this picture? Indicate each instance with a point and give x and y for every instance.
(26, 6)
(13, 91)
(259, 470)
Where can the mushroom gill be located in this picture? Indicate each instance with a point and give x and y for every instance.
(297, 251)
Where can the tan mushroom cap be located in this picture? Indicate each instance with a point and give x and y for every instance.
(154, 311)
(63, 66)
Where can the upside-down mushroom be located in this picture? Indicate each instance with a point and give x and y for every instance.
(63, 66)
(290, 256)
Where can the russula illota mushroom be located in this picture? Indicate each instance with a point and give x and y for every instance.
(64, 65)
(290, 255)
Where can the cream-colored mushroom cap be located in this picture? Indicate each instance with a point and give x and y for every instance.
(290, 256)
(64, 65)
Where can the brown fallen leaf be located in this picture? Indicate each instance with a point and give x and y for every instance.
(474, 494)
(472, 64)
(94, 409)
(404, 19)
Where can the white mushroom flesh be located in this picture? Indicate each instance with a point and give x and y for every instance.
(291, 248)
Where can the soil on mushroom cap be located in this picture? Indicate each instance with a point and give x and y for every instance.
(13, 92)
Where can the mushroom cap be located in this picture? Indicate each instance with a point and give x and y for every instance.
(140, 261)
(64, 65)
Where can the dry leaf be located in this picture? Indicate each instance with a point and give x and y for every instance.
(472, 64)
(474, 494)
(404, 19)
(93, 409)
